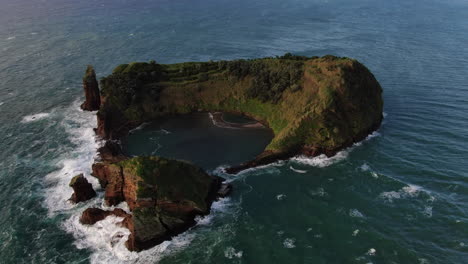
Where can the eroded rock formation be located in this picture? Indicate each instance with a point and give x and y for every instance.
(91, 89)
(82, 189)
(164, 196)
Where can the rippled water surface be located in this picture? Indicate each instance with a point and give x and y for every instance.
(401, 196)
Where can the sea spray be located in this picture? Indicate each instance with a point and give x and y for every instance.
(79, 126)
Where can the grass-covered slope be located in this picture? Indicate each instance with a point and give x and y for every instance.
(313, 105)
(164, 195)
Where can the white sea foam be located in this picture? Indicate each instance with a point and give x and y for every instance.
(231, 253)
(409, 191)
(296, 170)
(355, 213)
(365, 167)
(280, 197)
(371, 252)
(140, 127)
(164, 131)
(322, 160)
(218, 207)
(79, 126)
(289, 243)
(35, 117)
(318, 192)
(428, 211)
(356, 232)
(106, 239)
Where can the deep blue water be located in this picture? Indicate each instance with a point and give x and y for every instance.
(399, 197)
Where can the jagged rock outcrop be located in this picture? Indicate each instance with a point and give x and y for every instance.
(91, 89)
(82, 189)
(313, 105)
(92, 215)
(164, 196)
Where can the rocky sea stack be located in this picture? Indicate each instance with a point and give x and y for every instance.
(164, 197)
(91, 90)
(82, 189)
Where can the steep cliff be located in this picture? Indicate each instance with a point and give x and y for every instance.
(164, 196)
(91, 90)
(313, 105)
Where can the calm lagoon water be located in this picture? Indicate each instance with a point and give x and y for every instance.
(399, 197)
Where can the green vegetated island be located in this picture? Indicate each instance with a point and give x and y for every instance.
(313, 105)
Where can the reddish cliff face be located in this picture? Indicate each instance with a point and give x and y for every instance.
(91, 89)
(164, 196)
(82, 189)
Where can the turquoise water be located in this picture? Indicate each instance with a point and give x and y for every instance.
(399, 197)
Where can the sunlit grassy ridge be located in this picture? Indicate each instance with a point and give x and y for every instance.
(315, 103)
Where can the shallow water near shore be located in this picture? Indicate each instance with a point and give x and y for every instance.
(398, 197)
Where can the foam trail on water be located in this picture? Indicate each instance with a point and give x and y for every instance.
(107, 237)
(79, 126)
(322, 160)
(296, 170)
(35, 117)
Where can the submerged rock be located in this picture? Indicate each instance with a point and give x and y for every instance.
(91, 89)
(82, 189)
(164, 196)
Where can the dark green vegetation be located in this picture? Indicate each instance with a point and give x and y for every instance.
(313, 105)
(164, 195)
(170, 180)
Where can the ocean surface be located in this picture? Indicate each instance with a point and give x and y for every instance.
(400, 196)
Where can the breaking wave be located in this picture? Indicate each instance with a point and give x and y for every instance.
(35, 117)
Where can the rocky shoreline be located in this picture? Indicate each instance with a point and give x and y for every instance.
(164, 196)
(313, 106)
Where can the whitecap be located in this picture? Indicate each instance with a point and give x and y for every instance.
(322, 160)
(355, 213)
(280, 197)
(356, 232)
(427, 211)
(140, 127)
(11, 38)
(164, 131)
(280, 233)
(35, 117)
(296, 170)
(365, 167)
(289, 243)
(1, 103)
(218, 207)
(318, 192)
(371, 252)
(270, 168)
(231, 253)
(409, 191)
(79, 126)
